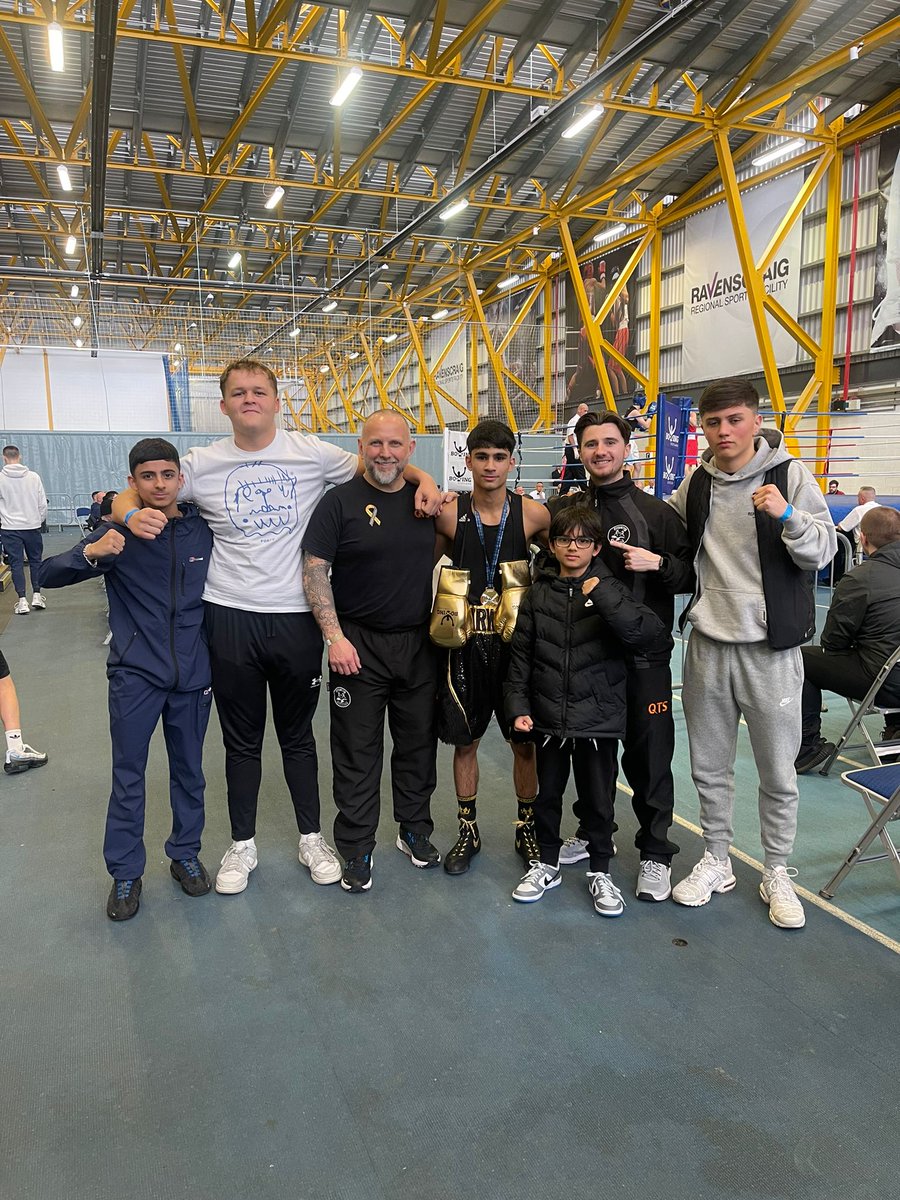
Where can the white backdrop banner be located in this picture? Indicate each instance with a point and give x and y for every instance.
(457, 476)
(718, 335)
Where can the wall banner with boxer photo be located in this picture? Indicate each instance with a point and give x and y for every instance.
(599, 274)
(886, 300)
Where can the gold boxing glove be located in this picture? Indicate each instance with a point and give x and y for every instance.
(516, 580)
(451, 623)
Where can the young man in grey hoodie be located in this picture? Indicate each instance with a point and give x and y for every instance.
(760, 529)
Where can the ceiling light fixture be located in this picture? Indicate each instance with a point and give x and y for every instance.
(508, 282)
(65, 181)
(276, 196)
(235, 260)
(323, 370)
(294, 333)
(391, 337)
(330, 306)
(606, 235)
(71, 244)
(440, 314)
(770, 156)
(351, 79)
(451, 210)
(75, 290)
(353, 354)
(77, 322)
(55, 46)
(178, 347)
(587, 118)
(79, 343)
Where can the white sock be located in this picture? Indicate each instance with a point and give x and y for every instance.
(14, 741)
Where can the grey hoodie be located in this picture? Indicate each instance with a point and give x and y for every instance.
(730, 605)
(23, 504)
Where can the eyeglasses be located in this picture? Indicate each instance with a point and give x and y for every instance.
(581, 542)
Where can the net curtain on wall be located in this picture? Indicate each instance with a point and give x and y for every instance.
(178, 388)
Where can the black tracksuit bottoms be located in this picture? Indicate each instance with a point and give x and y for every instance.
(647, 750)
(398, 677)
(594, 763)
(841, 672)
(251, 652)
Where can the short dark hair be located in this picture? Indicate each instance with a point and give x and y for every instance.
(150, 450)
(728, 393)
(106, 504)
(577, 516)
(832, 481)
(247, 364)
(491, 435)
(11, 450)
(881, 525)
(602, 418)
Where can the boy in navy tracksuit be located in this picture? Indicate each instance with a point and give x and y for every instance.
(158, 666)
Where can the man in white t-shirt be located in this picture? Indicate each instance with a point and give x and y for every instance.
(257, 491)
(866, 500)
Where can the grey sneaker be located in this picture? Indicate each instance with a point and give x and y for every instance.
(323, 862)
(710, 875)
(608, 900)
(23, 760)
(573, 850)
(654, 881)
(776, 889)
(539, 878)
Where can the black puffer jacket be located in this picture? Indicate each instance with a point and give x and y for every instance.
(567, 668)
(865, 612)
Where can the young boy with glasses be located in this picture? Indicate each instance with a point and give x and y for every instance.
(566, 687)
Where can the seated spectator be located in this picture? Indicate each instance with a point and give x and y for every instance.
(834, 488)
(106, 517)
(539, 493)
(862, 628)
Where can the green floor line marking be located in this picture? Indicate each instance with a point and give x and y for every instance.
(854, 922)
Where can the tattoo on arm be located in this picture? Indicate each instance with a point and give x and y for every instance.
(317, 586)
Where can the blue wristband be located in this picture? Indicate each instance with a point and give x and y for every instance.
(132, 511)
(785, 516)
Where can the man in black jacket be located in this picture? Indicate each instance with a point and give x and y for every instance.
(862, 629)
(646, 547)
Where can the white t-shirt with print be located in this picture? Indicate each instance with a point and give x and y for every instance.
(258, 504)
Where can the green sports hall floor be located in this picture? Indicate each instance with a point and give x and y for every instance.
(430, 1039)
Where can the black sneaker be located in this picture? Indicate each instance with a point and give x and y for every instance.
(807, 759)
(191, 874)
(124, 899)
(467, 846)
(527, 847)
(418, 849)
(357, 876)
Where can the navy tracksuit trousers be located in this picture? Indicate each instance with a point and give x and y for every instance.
(135, 707)
(17, 543)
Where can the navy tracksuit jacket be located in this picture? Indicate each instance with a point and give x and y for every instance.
(158, 666)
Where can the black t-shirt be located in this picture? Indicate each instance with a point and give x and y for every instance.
(381, 554)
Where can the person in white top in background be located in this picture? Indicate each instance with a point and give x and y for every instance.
(866, 500)
(257, 490)
(539, 494)
(23, 510)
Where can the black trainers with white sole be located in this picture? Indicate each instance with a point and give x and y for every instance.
(418, 849)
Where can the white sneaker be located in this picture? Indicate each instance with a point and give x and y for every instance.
(18, 761)
(315, 853)
(710, 875)
(608, 900)
(785, 909)
(22, 606)
(654, 881)
(239, 860)
(539, 878)
(38, 601)
(573, 850)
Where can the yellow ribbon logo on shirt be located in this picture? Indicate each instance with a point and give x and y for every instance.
(372, 514)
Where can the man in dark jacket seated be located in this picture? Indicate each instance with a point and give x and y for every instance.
(862, 628)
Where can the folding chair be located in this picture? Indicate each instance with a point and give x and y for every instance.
(880, 788)
(82, 514)
(863, 708)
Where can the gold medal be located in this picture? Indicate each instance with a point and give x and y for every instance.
(490, 597)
